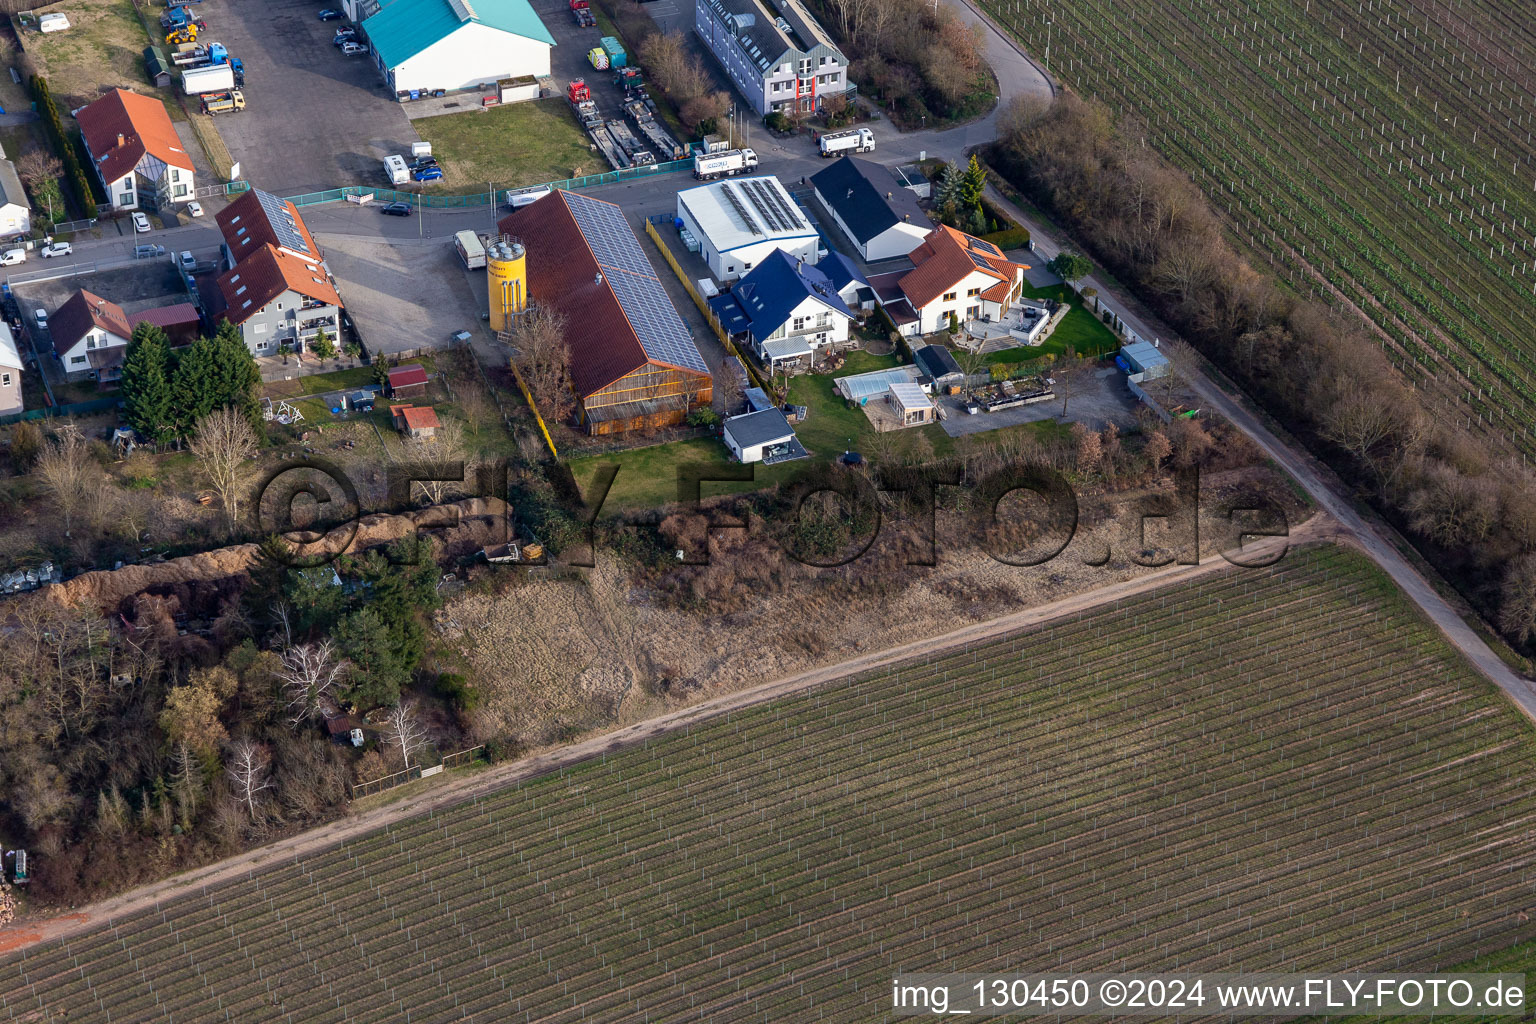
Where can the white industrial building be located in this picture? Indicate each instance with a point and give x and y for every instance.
(734, 225)
(427, 46)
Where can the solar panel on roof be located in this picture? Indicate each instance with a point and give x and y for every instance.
(282, 222)
(747, 221)
(983, 264)
(609, 234)
(661, 331)
(987, 247)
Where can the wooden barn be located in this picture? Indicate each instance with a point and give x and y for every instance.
(633, 362)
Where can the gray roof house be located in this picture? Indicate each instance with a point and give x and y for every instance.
(763, 436)
(880, 217)
(774, 51)
(15, 212)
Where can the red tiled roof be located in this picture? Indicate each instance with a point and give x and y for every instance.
(405, 376)
(247, 226)
(563, 273)
(182, 314)
(415, 417)
(143, 126)
(944, 260)
(79, 314)
(265, 274)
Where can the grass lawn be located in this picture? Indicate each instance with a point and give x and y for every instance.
(518, 144)
(103, 49)
(648, 476)
(1086, 333)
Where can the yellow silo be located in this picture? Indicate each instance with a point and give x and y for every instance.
(506, 265)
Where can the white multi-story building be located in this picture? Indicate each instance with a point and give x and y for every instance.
(774, 51)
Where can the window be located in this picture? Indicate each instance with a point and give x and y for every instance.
(972, 312)
(279, 305)
(181, 190)
(5, 380)
(77, 361)
(969, 292)
(260, 329)
(126, 199)
(950, 296)
(175, 174)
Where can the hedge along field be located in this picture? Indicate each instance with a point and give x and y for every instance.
(1384, 146)
(1280, 769)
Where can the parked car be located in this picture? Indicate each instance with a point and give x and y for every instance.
(144, 252)
(429, 174)
(11, 257)
(195, 208)
(55, 249)
(140, 221)
(423, 163)
(353, 49)
(344, 35)
(330, 14)
(188, 261)
(397, 209)
(42, 317)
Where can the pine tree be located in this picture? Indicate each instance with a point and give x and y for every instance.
(146, 384)
(238, 378)
(324, 347)
(947, 191)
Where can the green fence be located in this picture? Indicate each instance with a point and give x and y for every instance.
(450, 202)
(77, 409)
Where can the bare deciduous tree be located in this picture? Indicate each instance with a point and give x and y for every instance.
(247, 770)
(224, 444)
(68, 473)
(445, 447)
(404, 730)
(309, 673)
(542, 360)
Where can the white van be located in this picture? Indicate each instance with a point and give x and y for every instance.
(396, 171)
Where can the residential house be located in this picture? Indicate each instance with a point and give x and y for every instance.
(136, 152)
(880, 217)
(427, 46)
(278, 299)
(90, 337)
(851, 284)
(739, 222)
(633, 362)
(11, 401)
(181, 322)
(774, 51)
(15, 213)
(277, 289)
(763, 436)
(786, 309)
(955, 273)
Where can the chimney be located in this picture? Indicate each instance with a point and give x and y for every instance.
(599, 278)
(120, 139)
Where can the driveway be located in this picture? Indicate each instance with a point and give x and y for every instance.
(313, 119)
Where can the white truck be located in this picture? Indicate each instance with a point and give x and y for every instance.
(471, 249)
(210, 78)
(396, 171)
(716, 165)
(517, 198)
(854, 140)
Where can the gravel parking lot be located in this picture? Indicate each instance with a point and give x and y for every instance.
(1104, 400)
(314, 119)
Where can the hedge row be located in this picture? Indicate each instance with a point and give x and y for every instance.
(1009, 238)
(63, 147)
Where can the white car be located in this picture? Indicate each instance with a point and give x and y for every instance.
(55, 249)
(353, 49)
(195, 208)
(42, 317)
(188, 261)
(140, 222)
(11, 257)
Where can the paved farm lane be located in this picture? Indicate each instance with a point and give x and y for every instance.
(30, 931)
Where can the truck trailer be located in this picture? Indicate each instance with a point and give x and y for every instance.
(208, 78)
(719, 165)
(854, 140)
(471, 249)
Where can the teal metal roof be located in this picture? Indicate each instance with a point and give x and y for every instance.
(405, 28)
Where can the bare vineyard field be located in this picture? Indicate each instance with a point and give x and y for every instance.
(1280, 769)
(1382, 146)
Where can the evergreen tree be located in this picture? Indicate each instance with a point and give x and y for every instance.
(973, 184)
(947, 190)
(378, 674)
(146, 384)
(195, 386)
(324, 347)
(237, 376)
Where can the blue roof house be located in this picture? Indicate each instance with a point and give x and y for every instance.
(426, 46)
(787, 309)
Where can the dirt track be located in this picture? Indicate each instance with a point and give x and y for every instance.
(25, 933)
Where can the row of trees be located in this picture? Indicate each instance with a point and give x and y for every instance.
(167, 393)
(1318, 366)
(681, 75)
